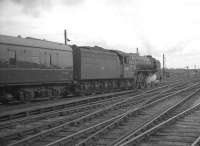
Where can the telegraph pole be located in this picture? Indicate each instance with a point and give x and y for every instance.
(163, 66)
(65, 36)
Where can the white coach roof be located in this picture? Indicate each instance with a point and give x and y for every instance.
(32, 42)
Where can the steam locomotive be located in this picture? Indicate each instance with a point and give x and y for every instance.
(32, 68)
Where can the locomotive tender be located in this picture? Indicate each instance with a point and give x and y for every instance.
(32, 68)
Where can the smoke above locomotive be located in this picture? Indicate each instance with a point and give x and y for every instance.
(33, 68)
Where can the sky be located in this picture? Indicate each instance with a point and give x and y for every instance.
(155, 27)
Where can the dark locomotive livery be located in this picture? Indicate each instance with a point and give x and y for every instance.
(32, 68)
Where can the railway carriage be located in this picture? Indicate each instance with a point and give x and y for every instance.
(33, 68)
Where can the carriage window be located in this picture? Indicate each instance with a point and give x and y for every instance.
(12, 57)
(50, 59)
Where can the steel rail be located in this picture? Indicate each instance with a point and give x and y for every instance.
(146, 134)
(158, 119)
(196, 142)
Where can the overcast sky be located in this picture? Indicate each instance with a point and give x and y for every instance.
(171, 27)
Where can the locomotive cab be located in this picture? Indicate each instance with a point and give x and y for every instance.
(127, 64)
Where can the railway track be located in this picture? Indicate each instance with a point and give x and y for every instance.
(45, 121)
(11, 113)
(139, 120)
(73, 128)
(179, 130)
(184, 104)
(70, 110)
(54, 118)
(17, 105)
(16, 113)
(21, 112)
(56, 110)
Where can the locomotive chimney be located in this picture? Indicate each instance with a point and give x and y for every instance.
(65, 35)
(137, 51)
